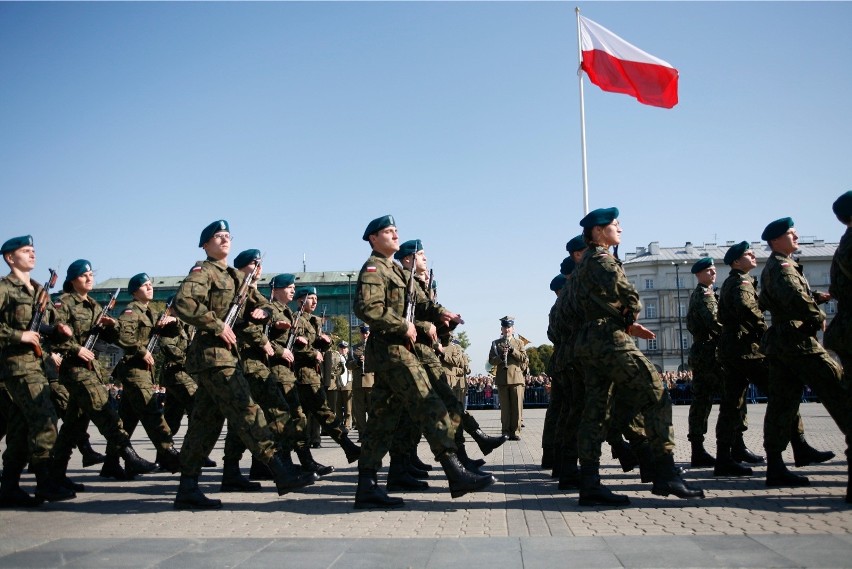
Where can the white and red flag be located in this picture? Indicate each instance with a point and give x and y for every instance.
(617, 66)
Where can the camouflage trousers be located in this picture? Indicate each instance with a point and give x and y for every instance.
(788, 374)
(139, 404)
(402, 385)
(315, 403)
(31, 421)
(88, 398)
(733, 410)
(362, 403)
(180, 395)
(639, 389)
(287, 383)
(223, 393)
(708, 380)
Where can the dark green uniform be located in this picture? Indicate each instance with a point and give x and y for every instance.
(838, 336)
(180, 387)
(282, 370)
(707, 375)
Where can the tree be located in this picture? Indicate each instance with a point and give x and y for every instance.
(338, 328)
(539, 358)
(464, 341)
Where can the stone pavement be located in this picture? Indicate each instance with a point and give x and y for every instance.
(522, 521)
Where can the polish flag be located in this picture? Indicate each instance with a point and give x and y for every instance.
(620, 67)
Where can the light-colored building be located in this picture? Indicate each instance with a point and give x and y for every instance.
(664, 281)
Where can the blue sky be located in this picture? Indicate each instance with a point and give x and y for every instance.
(126, 127)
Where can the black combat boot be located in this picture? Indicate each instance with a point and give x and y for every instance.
(399, 480)
(647, 464)
(413, 470)
(624, 453)
(169, 460)
(569, 474)
(804, 454)
(415, 460)
(548, 458)
(46, 487)
(777, 475)
(350, 449)
(234, 481)
(112, 468)
(286, 475)
(208, 463)
(135, 464)
(11, 494)
(700, 457)
(91, 457)
(593, 493)
(259, 471)
(741, 453)
(461, 480)
(726, 465)
(370, 495)
(59, 473)
(487, 443)
(668, 480)
(310, 465)
(469, 465)
(189, 497)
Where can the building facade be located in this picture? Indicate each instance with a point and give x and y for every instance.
(664, 281)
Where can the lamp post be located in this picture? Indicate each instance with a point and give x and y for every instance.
(349, 318)
(679, 312)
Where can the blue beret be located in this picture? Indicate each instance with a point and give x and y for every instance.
(245, 258)
(701, 264)
(557, 283)
(305, 291)
(842, 207)
(600, 216)
(77, 268)
(410, 247)
(137, 281)
(16, 243)
(777, 228)
(377, 225)
(567, 266)
(283, 280)
(211, 230)
(507, 321)
(365, 329)
(576, 244)
(736, 251)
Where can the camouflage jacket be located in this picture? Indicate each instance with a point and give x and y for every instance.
(796, 318)
(838, 335)
(742, 320)
(174, 347)
(135, 328)
(80, 314)
(17, 304)
(308, 326)
(454, 363)
(703, 323)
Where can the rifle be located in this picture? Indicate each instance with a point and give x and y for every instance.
(241, 296)
(96, 329)
(154, 341)
(410, 301)
(41, 307)
(291, 339)
(433, 286)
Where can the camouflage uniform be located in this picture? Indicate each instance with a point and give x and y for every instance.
(138, 400)
(380, 302)
(838, 335)
(362, 386)
(282, 371)
(707, 374)
(457, 367)
(31, 417)
(180, 387)
(560, 389)
(609, 358)
(794, 353)
(223, 393)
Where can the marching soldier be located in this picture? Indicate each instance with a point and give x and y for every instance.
(508, 355)
(558, 386)
(362, 382)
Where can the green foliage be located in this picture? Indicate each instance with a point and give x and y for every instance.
(539, 358)
(463, 339)
(339, 329)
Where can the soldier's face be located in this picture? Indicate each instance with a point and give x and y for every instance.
(22, 259)
(610, 235)
(787, 243)
(309, 303)
(285, 294)
(218, 246)
(145, 292)
(707, 276)
(84, 283)
(578, 255)
(745, 263)
(421, 263)
(385, 241)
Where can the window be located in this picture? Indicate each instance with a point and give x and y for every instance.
(681, 309)
(684, 343)
(651, 309)
(651, 345)
(831, 307)
(649, 284)
(680, 282)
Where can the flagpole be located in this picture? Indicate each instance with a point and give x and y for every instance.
(582, 116)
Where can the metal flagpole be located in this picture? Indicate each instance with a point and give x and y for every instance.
(582, 115)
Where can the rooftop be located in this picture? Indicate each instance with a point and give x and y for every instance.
(654, 253)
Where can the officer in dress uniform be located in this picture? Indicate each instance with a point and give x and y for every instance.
(508, 355)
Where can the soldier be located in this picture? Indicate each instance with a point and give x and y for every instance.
(309, 346)
(82, 375)
(362, 382)
(610, 304)
(557, 386)
(135, 371)
(380, 303)
(794, 353)
(340, 385)
(30, 416)
(456, 365)
(203, 301)
(508, 355)
(707, 377)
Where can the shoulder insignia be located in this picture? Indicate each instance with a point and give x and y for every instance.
(128, 311)
(602, 254)
(195, 268)
(57, 304)
(371, 269)
(785, 264)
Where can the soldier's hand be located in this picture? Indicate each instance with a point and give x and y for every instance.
(107, 321)
(433, 333)
(640, 331)
(148, 359)
(259, 314)
(168, 320)
(85, 355)
(318, 355)
(64, 329)
(30, 337)
(268, 349)
(282, 325)
(448, 317)
(287, 355)
(821, 297)
(411, 333)
(57, 358)
(227, 335)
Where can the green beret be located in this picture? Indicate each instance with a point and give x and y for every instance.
(377, 225)
(777, 228)
(736, 251)
(701, 264)
(842, 207)
(600, 216)
(507, 321)
(408, 248)
(136, 281)
(245, 258)
(557, 283)
(75, 269)
(567, 266)
(211, 230)
(283, 280)
(16, 243)
(576, 244)
(305, 291)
